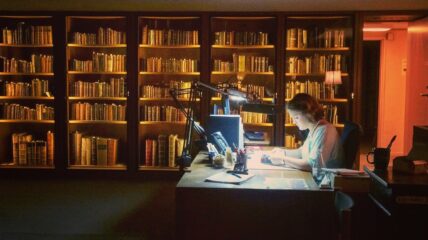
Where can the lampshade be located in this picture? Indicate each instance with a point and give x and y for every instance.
(333, 77)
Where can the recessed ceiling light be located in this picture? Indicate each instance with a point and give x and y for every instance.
(376, 29)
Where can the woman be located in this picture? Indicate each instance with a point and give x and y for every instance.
(322, 143)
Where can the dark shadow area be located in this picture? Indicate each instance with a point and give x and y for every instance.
(87, 209)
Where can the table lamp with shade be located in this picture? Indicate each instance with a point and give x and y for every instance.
(333, 78)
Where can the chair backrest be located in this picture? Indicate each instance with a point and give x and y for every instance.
(344, 203)
(350, 140)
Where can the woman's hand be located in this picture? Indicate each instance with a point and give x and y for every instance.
(277, 156)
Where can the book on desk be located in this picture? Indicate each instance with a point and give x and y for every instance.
(348, 180)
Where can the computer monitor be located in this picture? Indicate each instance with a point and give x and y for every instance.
(230, 126)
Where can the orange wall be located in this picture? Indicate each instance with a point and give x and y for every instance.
(392, 88)
(417, 78)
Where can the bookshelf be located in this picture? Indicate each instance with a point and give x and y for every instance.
(318, 61)
(112, 74)
(27, 91)
(97, 92)
(243, 57)
(168, 57)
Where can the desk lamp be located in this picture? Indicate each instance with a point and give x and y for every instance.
(194, 92)
(333, 78)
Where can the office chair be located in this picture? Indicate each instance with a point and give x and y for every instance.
(343, 203)
(350, 140)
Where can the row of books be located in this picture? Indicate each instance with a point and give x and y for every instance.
(116, 87)
(243, 63)
(252, 117)
(316, 64)
(20, 112)
(37, 64)
(37, 88)
(87, 150)
(152, 91)
(104, 36)
(241, 38)
(161, 113)
(100, 62)
(162, 151)
(315, 38)
(26, 151)
(319, 90)
(330, 113)
(24, 34)
(159, 64)
(291, 141)
(250, 63)
(98, 111)
(169, 37)
(256, 90)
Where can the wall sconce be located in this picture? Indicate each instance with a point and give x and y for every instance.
(333, 78)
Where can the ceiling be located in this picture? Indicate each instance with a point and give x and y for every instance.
(213, 5)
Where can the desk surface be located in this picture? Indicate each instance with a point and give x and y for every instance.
(391, 179)
(263, 207)
(270, 177)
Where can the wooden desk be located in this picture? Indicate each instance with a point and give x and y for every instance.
(402, 202)
(254, 209)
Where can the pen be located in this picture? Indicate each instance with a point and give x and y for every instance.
(236, 175)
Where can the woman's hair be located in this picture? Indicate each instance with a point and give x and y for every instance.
(305, 103)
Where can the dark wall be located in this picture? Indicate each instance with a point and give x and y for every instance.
(217, 5)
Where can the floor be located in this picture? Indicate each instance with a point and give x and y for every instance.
(87, 209)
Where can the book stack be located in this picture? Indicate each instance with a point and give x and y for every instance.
(36, 88)
(241, 38)
(169, 37)
(38, 64)
(98, 111)
(252, 117)
(29, 152)
(26, 34)
(162, 151)
(318, 63)
(104, 36)
(19, 112)
(113, 88)
(162, 113)
(93, 150)
(169, 65)
(100, 62)
(315, 38)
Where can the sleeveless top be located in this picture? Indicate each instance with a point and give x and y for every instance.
(323, 145)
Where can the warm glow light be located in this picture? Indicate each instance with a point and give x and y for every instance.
(376, 29)
(333, 77)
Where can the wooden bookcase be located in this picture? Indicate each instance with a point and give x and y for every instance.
(97, 92)
(168, 57)
(243, 57)
(153, 53)
(318, 61)
(27, 86)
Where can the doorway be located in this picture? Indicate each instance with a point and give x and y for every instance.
(370, 89)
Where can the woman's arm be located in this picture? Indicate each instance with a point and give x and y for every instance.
(297, 163)
(295, 153)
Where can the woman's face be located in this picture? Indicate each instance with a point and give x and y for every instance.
(301, 120)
